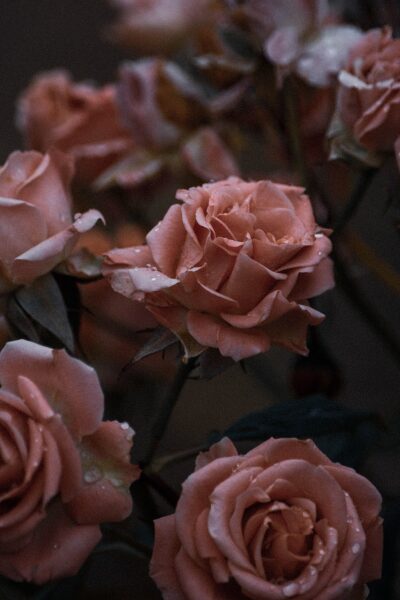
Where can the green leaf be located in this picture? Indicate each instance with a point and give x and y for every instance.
(344, 146)
(19, 321)
(160, 339)
(44, 304)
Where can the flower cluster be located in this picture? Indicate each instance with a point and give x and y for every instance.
(230, 103)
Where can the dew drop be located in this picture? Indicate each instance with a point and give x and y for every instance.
(115, 482)
(137, 250)
(124, 425)
(290, 590)
(153, 278)
(92, 475)
(355, 548)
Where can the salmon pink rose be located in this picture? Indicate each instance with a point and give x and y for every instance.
(36, 225)
(369, 92)
(77, 118)
(282, 521)
(62, 471)
(231, 268)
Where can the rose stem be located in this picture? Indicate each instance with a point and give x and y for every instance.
(164, 414)
(357, 195)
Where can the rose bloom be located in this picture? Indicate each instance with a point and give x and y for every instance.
(230, 268)
(76, 118)
(63, 471)
(281, 521)
(36, 226)
(369, 93)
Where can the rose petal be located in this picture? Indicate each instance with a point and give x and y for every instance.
(238, 344)
(57, 549)
(162, 568)
(107, 475)
(61, 379)
(46, 255)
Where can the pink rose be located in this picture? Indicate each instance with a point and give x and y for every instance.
(159, 102)
(231, 268)
(281, 521)
(154, 26)
(63, 471)
(36, 225)
(76, 118)
(369, 93)
(301, 36)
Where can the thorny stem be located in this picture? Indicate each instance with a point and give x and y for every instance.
(161, 422)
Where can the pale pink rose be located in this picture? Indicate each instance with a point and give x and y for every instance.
(369, 93)
(63, 471)
(154, 26)
(37, 230)
(77, 118)
(231, 267)
(282, 521)
(301, 36)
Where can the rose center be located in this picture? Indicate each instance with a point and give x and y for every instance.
(287, 543)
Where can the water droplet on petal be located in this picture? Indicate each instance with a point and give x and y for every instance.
(116, 482)
(355, 548)
(92, 475)
(290, 590)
